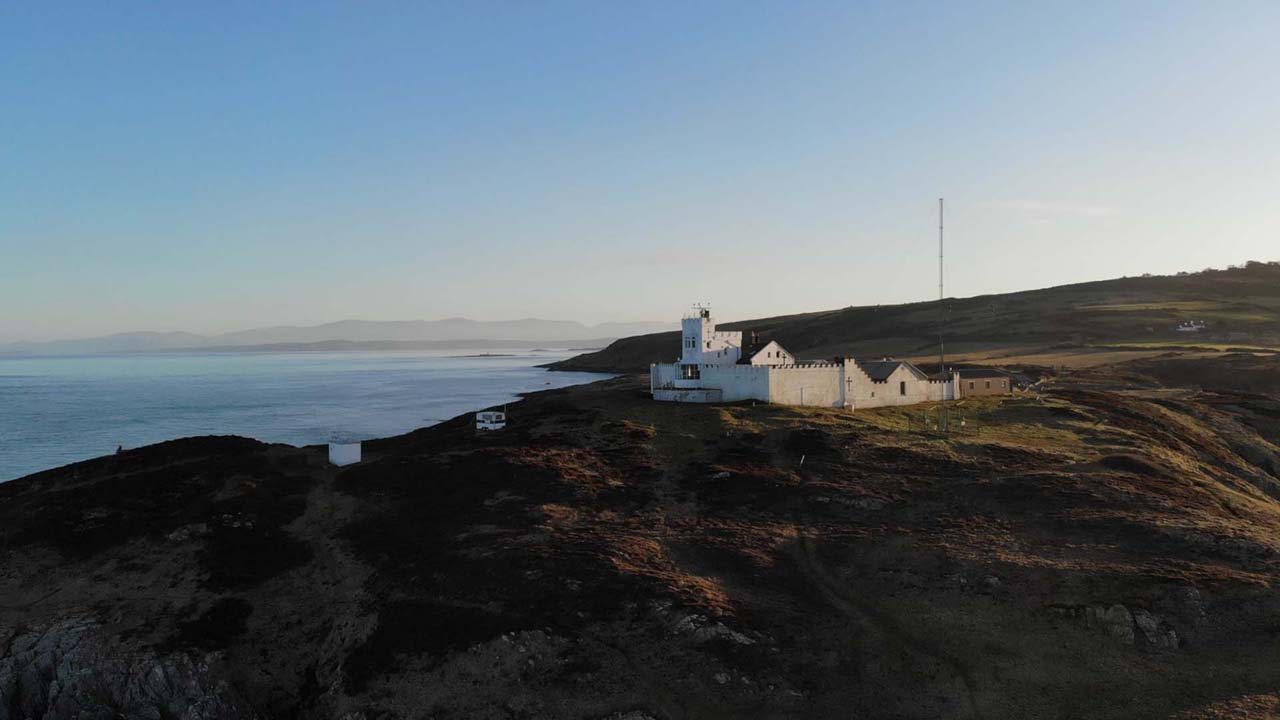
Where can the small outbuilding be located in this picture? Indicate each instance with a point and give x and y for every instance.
(977, 382)
(344, 451)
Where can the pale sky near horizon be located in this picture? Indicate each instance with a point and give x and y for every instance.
(218, 166)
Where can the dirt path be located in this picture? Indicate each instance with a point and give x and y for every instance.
(874, 619)
(313, 632)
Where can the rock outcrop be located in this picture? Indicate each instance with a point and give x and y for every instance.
(69, 670)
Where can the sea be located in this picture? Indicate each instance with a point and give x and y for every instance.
(59, 410)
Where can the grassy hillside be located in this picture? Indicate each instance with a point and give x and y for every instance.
(1240, 306)
(1105, 549)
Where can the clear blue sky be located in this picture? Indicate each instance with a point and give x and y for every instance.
(216, 166)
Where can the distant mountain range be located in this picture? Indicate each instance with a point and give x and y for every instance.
(352, 335)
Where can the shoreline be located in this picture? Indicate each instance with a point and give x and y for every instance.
(444, 397)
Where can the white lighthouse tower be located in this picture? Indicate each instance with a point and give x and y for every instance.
(703, 344)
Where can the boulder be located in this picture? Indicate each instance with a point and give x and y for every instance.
(1154, 632)
(1115, 621)
(68, 670)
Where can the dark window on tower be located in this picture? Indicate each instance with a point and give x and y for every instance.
(902, 387)
(970, 384)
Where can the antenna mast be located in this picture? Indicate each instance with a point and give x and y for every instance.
(942, 352)
(942, 312)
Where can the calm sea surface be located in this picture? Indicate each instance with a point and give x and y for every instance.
(54, 411)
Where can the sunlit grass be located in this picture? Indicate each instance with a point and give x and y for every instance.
(1172, 305)
(1174, 345)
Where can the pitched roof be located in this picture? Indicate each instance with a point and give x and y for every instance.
(982, 373)
(749, 353)
(880, 370)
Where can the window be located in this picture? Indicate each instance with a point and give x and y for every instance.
(902, 387)
(970, 384)
(988, 384)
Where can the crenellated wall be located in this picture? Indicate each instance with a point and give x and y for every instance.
(816, 384)
(835, 384)
(842, 384)
(734, 382)
(701, 343)
(738, 382)
(863, 392)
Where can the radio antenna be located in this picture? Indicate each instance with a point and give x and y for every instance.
(942, 352)
(942, 324)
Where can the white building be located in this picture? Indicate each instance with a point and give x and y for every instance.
(344, 451)
(491, 420)
(715, 366)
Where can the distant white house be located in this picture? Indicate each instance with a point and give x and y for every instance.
(715, 366)
(491, 420)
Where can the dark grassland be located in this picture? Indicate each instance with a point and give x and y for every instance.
(1104, 547)
(1062, 325)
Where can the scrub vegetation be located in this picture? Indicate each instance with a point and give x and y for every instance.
(1100, 546)
(1081, 324)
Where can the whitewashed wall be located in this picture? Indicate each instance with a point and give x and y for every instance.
(737, 382)
(773, 354)
(710, 346)
(863, 392)
(734, 382)
(817, 384)
(662, 375)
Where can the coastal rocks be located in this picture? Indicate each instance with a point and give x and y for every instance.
(1115, 621)
(1156, 633)
(1184, 603)
(513, 668)
(68, 671)
(1138, 626)
(701, 629)
(188, 532)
